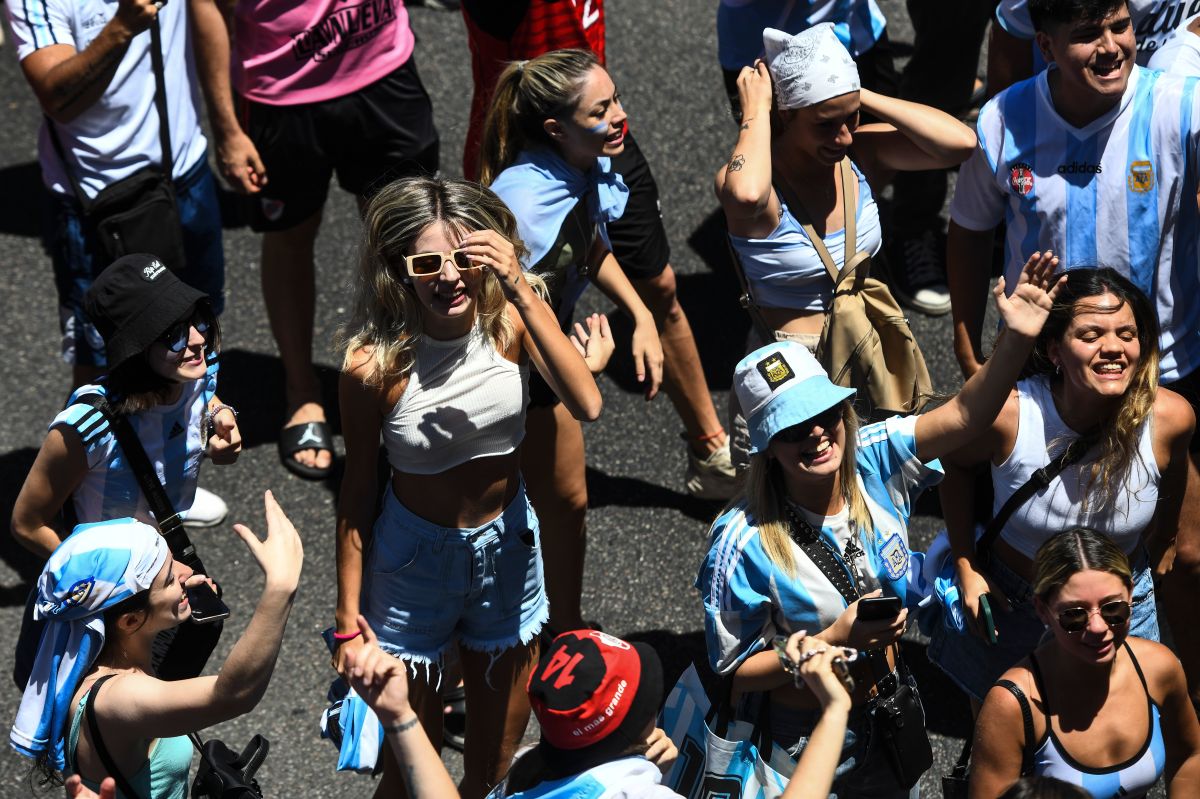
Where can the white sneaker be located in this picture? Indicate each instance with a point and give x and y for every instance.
(208, 510)
(713, 477)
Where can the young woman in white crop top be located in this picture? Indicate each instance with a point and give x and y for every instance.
(435, 361)
(1094, 370)
(1107, 711)
(801, 118)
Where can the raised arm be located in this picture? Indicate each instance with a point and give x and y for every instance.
(969, 413)
(362, 421)
(153, 708)
(743, 186)
(236, 154)
(555, 358)
(911, 137)
(647, 349)
(66, 81)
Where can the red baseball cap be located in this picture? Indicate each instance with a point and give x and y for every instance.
(593, 695)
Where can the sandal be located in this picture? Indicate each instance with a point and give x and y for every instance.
(306, 435)
(454, 718)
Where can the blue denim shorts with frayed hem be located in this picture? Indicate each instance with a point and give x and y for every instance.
(974, 665)
(425, 585)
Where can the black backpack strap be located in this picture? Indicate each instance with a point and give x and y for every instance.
(110, 765)
(169, 522)
(1026, 721)
(1071, 454)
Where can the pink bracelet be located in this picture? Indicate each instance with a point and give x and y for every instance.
(342, 638)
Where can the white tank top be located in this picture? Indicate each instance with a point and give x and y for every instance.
(1058, 506)
(464, 400)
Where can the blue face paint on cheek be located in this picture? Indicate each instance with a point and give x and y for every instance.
(600, 129)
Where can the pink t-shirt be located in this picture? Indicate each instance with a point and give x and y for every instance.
(288, 52)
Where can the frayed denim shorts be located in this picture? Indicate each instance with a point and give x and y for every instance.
(974, 665)
(425, 585)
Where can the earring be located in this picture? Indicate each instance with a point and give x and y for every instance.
(1057, 369)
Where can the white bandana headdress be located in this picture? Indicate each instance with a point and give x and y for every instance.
(809, 67)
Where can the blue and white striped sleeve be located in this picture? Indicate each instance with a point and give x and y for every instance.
(39, 23)
(889, 449)
(737, 612)
(92, 428)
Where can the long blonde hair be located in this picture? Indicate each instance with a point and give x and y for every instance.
(766, 496)
(387, 318)
(527, 94)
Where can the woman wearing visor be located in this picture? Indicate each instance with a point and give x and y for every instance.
(818, 483)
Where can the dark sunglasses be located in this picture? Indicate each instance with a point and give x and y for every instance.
(827, 420)
(424, 264)
(177, 335)
(1114, 614)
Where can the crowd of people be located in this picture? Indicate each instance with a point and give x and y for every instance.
(1058, 598)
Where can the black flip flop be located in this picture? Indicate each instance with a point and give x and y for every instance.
(306, 435)
(454, 718)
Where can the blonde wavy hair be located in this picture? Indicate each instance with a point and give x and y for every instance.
(527, 94)
(1118, 443)
(387, 317)
(766, 496)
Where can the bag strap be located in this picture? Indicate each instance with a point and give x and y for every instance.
(170, 525)
(850, 226)
(110, 765)
(1071, 454)
(746, 299)
(160, 103)
(1026, 721)
(962, 766)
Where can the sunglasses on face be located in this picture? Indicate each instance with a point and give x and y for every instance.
(798, 432)
(1075, 620)
(177, 335)
(425, 264)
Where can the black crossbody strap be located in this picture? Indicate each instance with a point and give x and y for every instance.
(110, 765)
(1071, 454)
(169, 523)
(160, 103)
(1026, 721)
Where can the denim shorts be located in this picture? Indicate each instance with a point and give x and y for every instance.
(425, 585)
(863, 771)
(974, 665)
(77, 260)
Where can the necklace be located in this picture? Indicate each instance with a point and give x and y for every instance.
(841, 570)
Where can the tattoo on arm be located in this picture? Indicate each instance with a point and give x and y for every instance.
(737, 162)
(745, 126)
(405, 727)
(103, 67)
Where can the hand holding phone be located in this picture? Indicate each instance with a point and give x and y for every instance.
(206, 606)
(986, 620)
(877, 608)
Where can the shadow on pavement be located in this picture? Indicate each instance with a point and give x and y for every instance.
(22, 201)
(630, 492)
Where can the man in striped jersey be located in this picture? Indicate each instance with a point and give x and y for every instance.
(1096, 159)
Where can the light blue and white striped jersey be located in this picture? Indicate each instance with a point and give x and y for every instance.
(170, 434)
(1155, 22)
(1120, 192)
(748, 599)
(740, 23)
(632, 777)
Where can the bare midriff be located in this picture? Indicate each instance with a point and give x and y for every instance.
(789, 320)
(468, 495)
(1010, 557)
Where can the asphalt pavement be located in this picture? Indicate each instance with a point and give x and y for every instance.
(646, 536)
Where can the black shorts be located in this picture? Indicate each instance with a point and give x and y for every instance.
(368, 137)
(638, 238)
(1188, 387)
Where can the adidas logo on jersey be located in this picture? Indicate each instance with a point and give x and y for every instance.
(1080, 168)
(176, 430)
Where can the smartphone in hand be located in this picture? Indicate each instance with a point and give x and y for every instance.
(206, 606)
(877, 608)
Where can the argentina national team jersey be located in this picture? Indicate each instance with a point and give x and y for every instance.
(748, 599)
(1119, 192)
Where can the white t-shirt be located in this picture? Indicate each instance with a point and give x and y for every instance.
(1120, 192)
(118, 135)
(1154, 21)
(1181, 55)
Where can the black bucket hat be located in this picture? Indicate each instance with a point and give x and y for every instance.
(134, 301)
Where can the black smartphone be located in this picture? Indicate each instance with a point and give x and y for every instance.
(876, 608)
(206, 605)
(986, 620)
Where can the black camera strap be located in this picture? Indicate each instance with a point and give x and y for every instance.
(160, 103)
(169, 522)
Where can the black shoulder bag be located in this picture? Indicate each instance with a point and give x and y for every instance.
(897, 717)
(954, 784)
(222, 774)
(138, 213)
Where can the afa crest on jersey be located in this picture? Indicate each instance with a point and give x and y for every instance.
(1141, 176)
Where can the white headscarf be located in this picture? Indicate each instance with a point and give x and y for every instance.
(809, 67)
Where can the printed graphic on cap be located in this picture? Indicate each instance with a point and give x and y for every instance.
(152, 270)
(609, 640)
(76, 596)
(564, 687)
(775, 370)
(1020, 177)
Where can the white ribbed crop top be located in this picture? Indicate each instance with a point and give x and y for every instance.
(1057, 507)
(464, 400)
